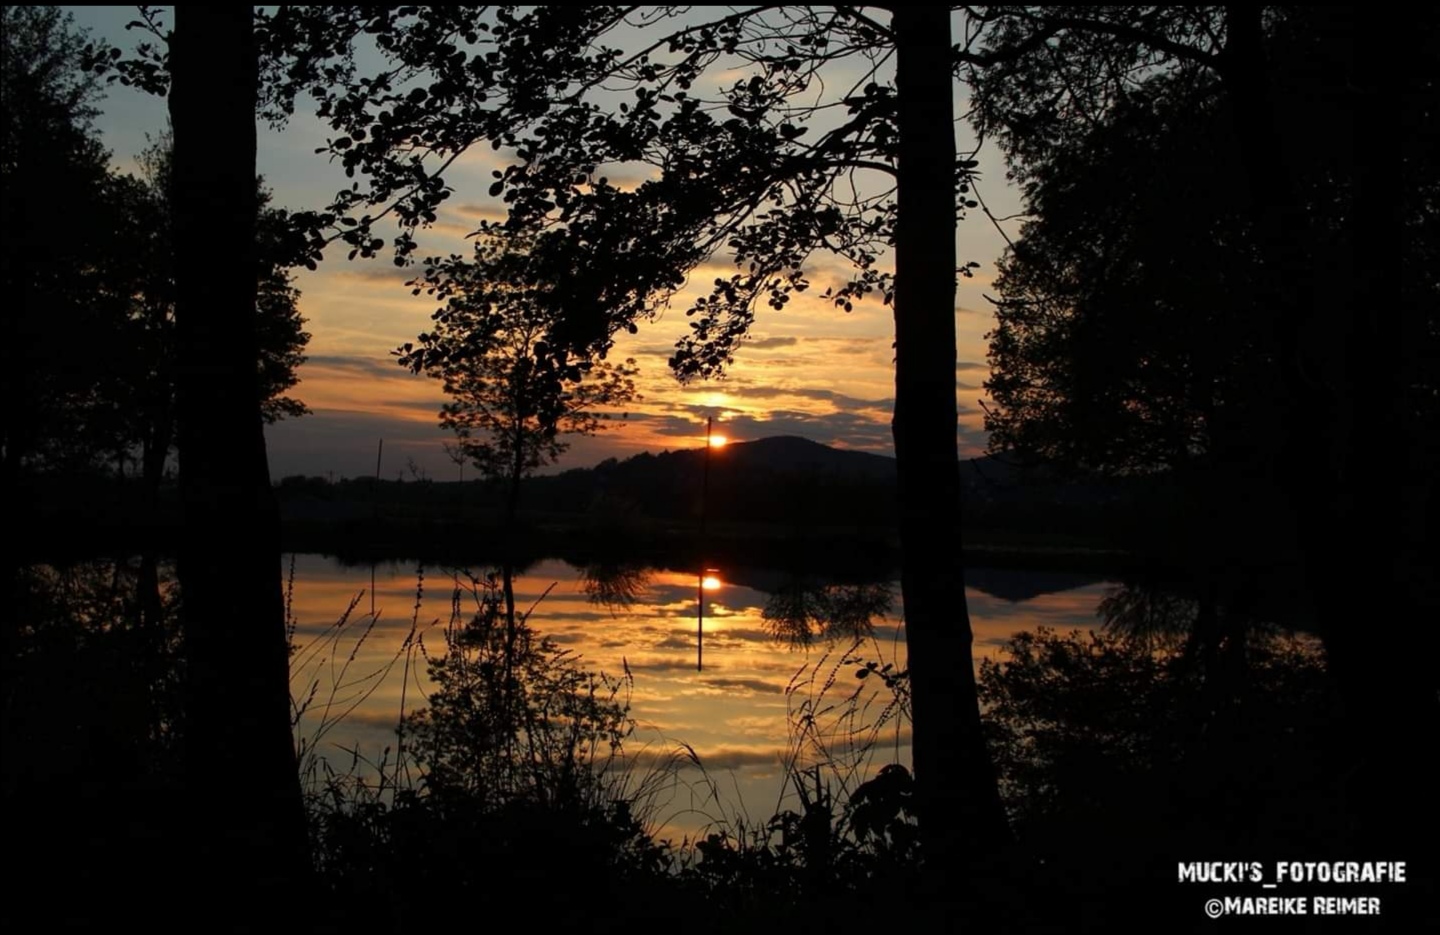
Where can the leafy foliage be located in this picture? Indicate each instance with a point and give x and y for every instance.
(615, 584)
(280, 326)
(1127, 338)
(521, 721)
(93, 726)
(1079, 721)
(806, 610)
(110, 395)
(516, 385)
(513, 772)
(1159, 310)
(53, 170)
(797, 154)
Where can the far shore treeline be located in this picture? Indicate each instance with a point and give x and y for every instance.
(777, 490)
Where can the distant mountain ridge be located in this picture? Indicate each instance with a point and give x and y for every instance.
(779, 482)
(791, 453)
(785, 478)
(794, 454)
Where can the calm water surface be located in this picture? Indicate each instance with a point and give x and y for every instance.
(738, 714)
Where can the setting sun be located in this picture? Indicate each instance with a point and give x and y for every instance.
(710, 583)
(718, 441)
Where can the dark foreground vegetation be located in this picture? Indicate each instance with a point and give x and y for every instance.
(1162, 739)
(1226, 285)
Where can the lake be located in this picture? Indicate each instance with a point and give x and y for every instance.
(739, 715)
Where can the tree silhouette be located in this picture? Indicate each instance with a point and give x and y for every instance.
(150, 325)
(765, 166)
(160, 327)
(110, 397)
(243, 780)
(53, 170)
(515, 390)
(1126, 320)
(1323, 120)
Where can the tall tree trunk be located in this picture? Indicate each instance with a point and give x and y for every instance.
(243, 784)
(959, 802)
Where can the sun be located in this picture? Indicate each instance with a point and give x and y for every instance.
(718, 441)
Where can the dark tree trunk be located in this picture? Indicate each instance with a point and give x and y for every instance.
(960, 805)
(246, 805)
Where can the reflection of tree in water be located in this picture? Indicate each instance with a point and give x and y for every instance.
(1154, 615)
(1211, 627)
(616, 586)
(1105, 728)
(92, 665)
(805, 611)
(92, 728)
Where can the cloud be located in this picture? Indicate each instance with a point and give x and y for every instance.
(972, 440)
(365, 366)
(739, 757)
(838, 429)
(654, 350)
(712, 758)
(344, 443)
(744, 634)
(971, 365)
(766, 343)
(759, 686)
(479, 212)
(838, 400)
(386, 720)
(386, 273)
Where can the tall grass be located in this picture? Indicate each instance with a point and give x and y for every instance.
(843, 818)
(512, 755)
(513, 743)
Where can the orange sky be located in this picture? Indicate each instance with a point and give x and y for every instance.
(808, 370)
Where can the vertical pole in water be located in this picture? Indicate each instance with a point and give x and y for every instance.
(375, 520)
(700, 589)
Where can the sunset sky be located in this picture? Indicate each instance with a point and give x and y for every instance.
(809, 370)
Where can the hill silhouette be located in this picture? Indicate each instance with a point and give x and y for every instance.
(779, 480)
(791, 480)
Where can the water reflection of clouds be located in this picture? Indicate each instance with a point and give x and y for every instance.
(675, 642)
(995, 620)
(670, 664)
(733, 714)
